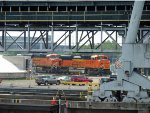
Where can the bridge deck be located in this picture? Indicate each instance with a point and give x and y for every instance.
(72, 12)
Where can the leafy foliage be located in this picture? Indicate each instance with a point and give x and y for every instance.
(107, 45)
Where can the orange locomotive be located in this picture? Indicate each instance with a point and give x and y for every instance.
(98, 64)
(48, 63)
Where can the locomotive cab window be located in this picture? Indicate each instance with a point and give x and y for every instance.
(53, 56)
(103, 57)
(94, 57)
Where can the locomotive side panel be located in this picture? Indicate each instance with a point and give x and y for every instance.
(65, 62)
(39, 62)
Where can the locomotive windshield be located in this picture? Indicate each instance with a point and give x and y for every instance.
(53, 56)
(99, 57)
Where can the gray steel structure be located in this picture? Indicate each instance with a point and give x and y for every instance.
(134, 57)
(83, 18)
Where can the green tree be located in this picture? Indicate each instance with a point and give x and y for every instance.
(107, 45)
(110, 45)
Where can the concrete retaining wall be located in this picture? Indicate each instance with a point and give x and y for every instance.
(75, 106)
(18, 61)
(100, 107)
(99, 111)
(21, 62)
(12, 75)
